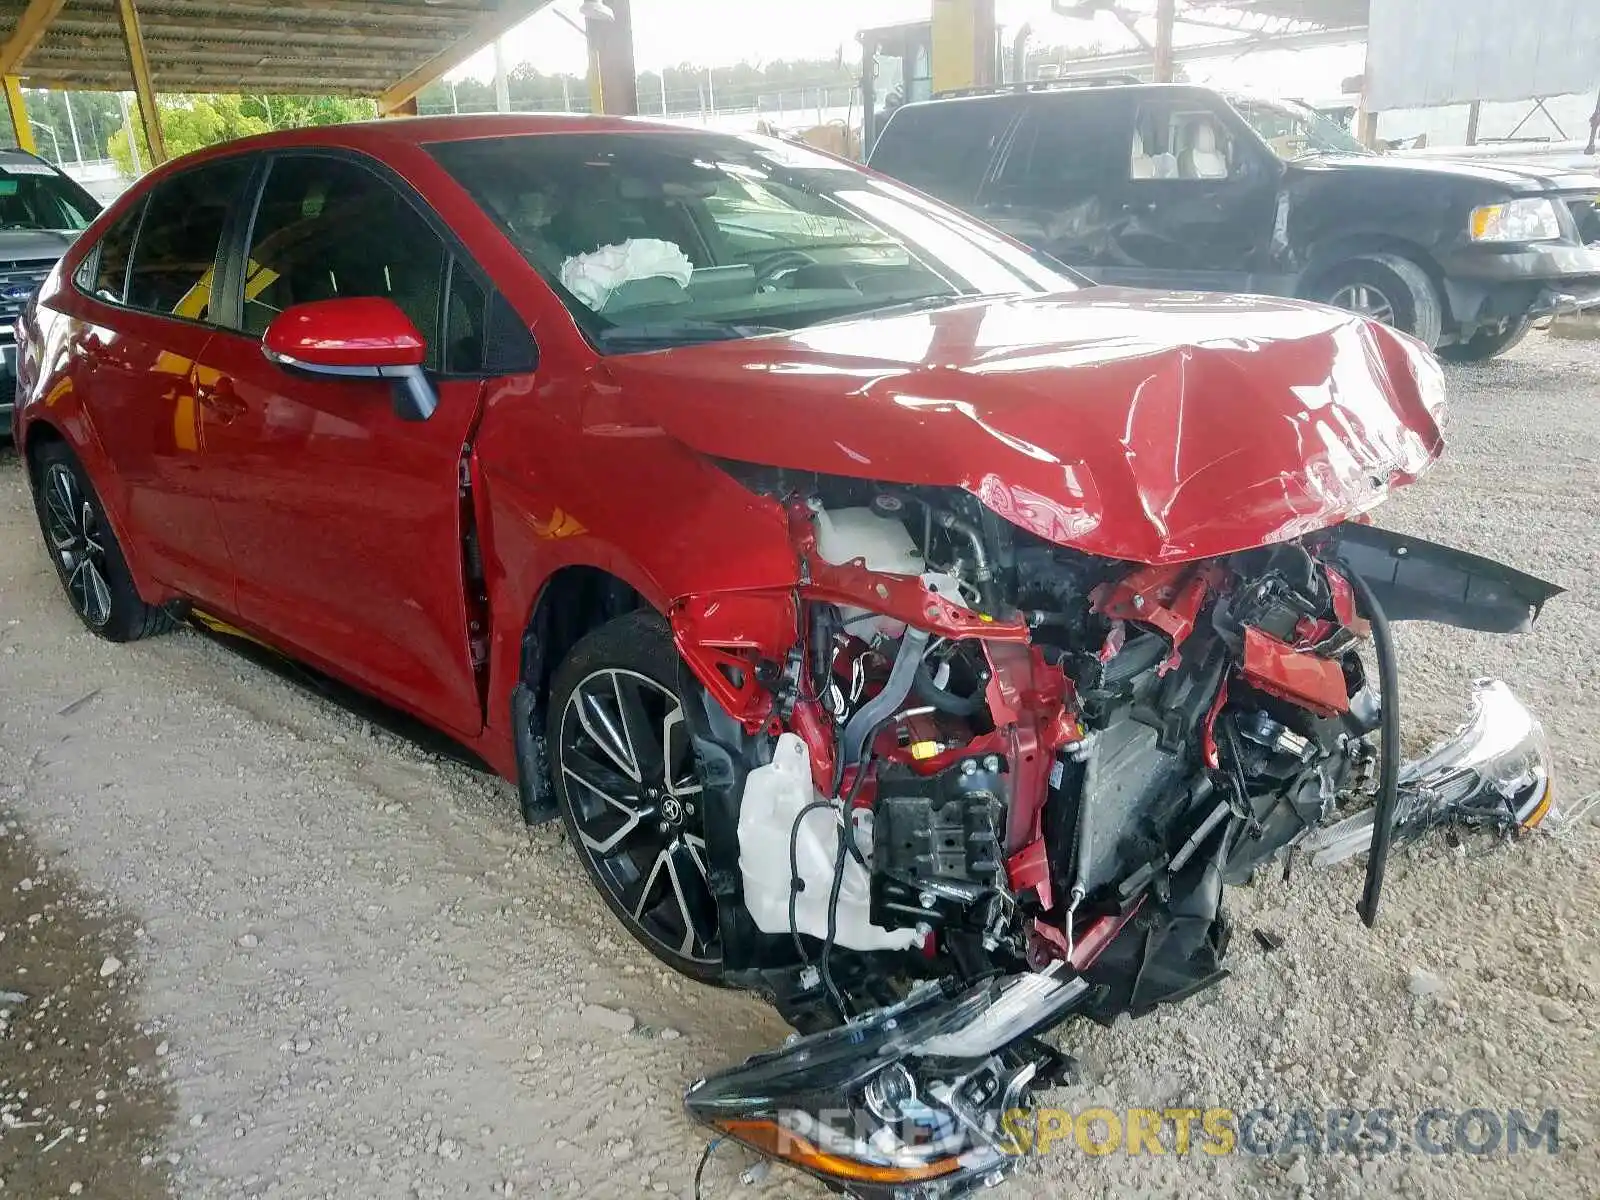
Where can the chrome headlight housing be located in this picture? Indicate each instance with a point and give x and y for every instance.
(1492, 773)
(907, 1101)
(1534, 219)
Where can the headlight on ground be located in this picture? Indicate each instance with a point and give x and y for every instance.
(1531, 220)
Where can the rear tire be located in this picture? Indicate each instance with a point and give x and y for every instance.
(1387, 288)
(627, 784)
(1484, 346)
(88, 560)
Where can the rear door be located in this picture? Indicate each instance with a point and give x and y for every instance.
(345, 520)
(147, 323)
(1057, 185)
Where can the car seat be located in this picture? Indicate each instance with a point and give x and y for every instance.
(1142, 166)
(1203, 159)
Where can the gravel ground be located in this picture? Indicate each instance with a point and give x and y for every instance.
(349, 971)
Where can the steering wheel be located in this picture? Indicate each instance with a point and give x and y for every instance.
(770, 267)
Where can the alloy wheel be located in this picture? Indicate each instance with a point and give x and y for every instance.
(1365, 299)
(75, 540)
(628, 771)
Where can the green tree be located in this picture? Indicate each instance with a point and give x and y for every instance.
(192, 122)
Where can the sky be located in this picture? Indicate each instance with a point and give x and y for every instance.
(723, 32)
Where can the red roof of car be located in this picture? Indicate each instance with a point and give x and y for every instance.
(375, 137)
(422, 130)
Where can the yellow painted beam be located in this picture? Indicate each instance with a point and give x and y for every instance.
(963, 44)
(139, 68)
(488, 27)
(18, 108)
(30, 29)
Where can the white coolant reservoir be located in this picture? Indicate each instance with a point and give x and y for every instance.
(773, 797)
(846, 534)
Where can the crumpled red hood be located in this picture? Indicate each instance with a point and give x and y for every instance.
(1138, 425)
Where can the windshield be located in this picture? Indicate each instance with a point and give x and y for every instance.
(33, 196)
(1295, 131)
(655, 239)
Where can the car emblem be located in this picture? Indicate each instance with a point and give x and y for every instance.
(16, 291)
(671, 809)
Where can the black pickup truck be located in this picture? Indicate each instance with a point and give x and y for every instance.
(41, 211)
(1182, 187)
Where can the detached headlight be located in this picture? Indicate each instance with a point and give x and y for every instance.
(910, 1100)
(1492, 773)
(1532, 220)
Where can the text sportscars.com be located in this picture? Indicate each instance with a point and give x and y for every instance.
(1098, 1131)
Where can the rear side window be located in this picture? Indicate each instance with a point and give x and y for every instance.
(175, 255)
(1065, 140)
(327, 227)
(944, 148)
(104, 273)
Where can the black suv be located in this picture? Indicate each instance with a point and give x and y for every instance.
(41, 211)
(1183, 187)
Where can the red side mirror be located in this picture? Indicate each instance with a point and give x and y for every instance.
(354, 331)
(356, 337)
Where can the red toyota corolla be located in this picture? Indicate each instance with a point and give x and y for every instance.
(902, 628)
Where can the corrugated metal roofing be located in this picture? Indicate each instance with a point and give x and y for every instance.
(329, 47)
(1333, 14)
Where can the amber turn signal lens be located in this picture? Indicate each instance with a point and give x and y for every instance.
(770, 1138)
(1540, 810)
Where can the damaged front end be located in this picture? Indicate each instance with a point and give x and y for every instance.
(962, 783)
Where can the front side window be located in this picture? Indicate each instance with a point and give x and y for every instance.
(1179, 141)
(34, 196)
(656, 239)
(328, 227)
(174, 257)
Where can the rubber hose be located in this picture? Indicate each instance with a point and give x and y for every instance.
(1388, 747)
(858, 730)
(944, 701)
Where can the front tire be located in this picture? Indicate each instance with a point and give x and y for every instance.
(88, 560)
(1390, 289)
(627, 786)
(1482, 347)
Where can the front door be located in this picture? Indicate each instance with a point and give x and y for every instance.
(344, 520)
(1198, 199)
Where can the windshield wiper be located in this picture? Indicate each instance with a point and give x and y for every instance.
(916, 304)
(658, 334)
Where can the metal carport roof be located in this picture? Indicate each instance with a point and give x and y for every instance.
(384, 48)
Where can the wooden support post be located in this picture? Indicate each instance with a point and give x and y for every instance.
(1166, 19)
(1367, 130)
(494, 23)
(27, 33)
(139, 68)
(18, 107)
(613, 82)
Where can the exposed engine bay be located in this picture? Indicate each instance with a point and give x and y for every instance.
(961, 773)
